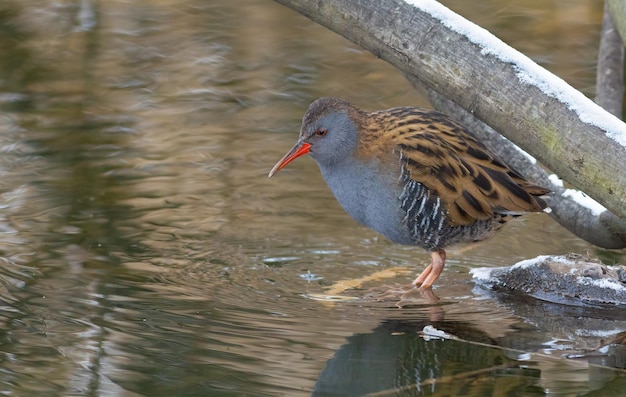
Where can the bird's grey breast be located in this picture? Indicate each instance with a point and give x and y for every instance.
(370, 195)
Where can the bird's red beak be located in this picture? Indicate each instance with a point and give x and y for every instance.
(298, 150)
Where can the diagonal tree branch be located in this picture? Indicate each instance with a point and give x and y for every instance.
(536, 110)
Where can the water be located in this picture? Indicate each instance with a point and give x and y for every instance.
(145, 253)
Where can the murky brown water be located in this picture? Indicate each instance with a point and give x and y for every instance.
(145, 253)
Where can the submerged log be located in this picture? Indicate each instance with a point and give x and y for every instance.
(538, 111)
(571, 279)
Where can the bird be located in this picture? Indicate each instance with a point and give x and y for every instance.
(414, 175)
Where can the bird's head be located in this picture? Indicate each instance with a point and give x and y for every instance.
(329, 133)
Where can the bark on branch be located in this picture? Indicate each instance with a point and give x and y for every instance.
(568, 133)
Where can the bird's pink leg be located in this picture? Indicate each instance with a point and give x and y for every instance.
(432, 272)
(420, 279)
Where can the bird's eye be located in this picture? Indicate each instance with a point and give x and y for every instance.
(321, 131)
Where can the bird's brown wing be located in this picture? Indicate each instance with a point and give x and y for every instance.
(472, 183)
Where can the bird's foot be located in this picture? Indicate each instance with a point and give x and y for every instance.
(388, 292)
(418, 296)
(404, 295)
(419, 291)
